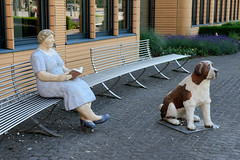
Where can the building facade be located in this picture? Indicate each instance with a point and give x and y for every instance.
(183, 17)
(78, 25)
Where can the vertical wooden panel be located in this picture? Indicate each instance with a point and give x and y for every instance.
(92, 19)
(223, 10)
(205, 12)
(212, 11)
(9, 24)
(134, 25)
(115, 21)
(166, 16)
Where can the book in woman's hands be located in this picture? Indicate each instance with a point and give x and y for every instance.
(75, 72)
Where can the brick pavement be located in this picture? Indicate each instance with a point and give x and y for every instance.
(133, 131)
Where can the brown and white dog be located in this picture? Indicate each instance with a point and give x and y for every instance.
(192, 92)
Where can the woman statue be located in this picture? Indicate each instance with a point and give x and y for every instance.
(53, 80)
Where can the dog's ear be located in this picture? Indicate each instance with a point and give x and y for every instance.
(198, 69)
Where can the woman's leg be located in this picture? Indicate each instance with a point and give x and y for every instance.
(86, 113)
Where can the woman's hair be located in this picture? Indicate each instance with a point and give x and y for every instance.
(43, 34)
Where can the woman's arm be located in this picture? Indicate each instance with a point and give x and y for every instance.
(46, 76)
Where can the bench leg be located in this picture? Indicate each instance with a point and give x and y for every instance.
(136, 79)
(44, 130)
(160, 72)
(110, 91)
(181, 66)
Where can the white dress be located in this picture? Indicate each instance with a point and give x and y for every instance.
(74, 92)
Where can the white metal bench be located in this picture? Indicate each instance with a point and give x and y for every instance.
(19, 99)
(116, 60)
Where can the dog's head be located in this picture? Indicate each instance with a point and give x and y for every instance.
(205, 70)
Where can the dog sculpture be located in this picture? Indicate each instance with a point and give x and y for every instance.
(192, 92)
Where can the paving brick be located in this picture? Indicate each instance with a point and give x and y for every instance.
(133, 131)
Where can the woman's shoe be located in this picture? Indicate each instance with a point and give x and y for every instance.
(87, 124)
(104, 118)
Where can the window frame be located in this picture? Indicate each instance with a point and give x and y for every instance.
(129, 16)
(44, 24)
(86, 23)
(3, 24)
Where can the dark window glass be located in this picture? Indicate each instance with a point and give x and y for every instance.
(215, 10)
(220, 11)
(77, 13)
(225, 10)
(29, 17)
(230, 10)
(208, 11)
(237, 9)
(194, 12)
(2, 25)
(234, 10)
(201, 12)
(103, 22)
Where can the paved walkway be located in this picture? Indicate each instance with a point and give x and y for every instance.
(133, 132)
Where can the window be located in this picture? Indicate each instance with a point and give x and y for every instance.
(77, 19)
(215, 10)
(237, 9)
(220, 11)
(2, 25)
(234, 10)
(194, 12)
(208, 11)
(103, 17)
(225, 10)
(29, 17)
(124, 11)
(201, 12)
(230, 11)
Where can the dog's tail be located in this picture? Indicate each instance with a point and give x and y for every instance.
(160, 107)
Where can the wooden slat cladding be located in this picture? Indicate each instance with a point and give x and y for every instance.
(165, 10)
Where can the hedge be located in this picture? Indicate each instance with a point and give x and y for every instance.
(221, 30)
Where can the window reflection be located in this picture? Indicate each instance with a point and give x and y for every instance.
(122, 14)
(26, 17)
(74, 16)
(101, 16)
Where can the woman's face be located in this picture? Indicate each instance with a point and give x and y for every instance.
(49, 41)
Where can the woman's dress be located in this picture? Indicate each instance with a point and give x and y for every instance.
(74, 92)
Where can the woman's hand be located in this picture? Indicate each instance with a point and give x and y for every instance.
(64, 77)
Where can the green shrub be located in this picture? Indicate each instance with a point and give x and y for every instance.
(201, 45)
(157, 42)
(231, 24)
(221, 30)
(68, 23)
(25, 20)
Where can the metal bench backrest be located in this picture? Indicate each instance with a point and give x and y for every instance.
(17, 82)
(112, 56)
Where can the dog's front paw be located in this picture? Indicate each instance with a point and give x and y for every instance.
(209, 125)
(196, 118)
(191, 127)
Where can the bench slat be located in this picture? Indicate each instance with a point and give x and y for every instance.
(97, 78)
(18, 112)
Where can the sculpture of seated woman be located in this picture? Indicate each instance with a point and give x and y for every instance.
(53, 80)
